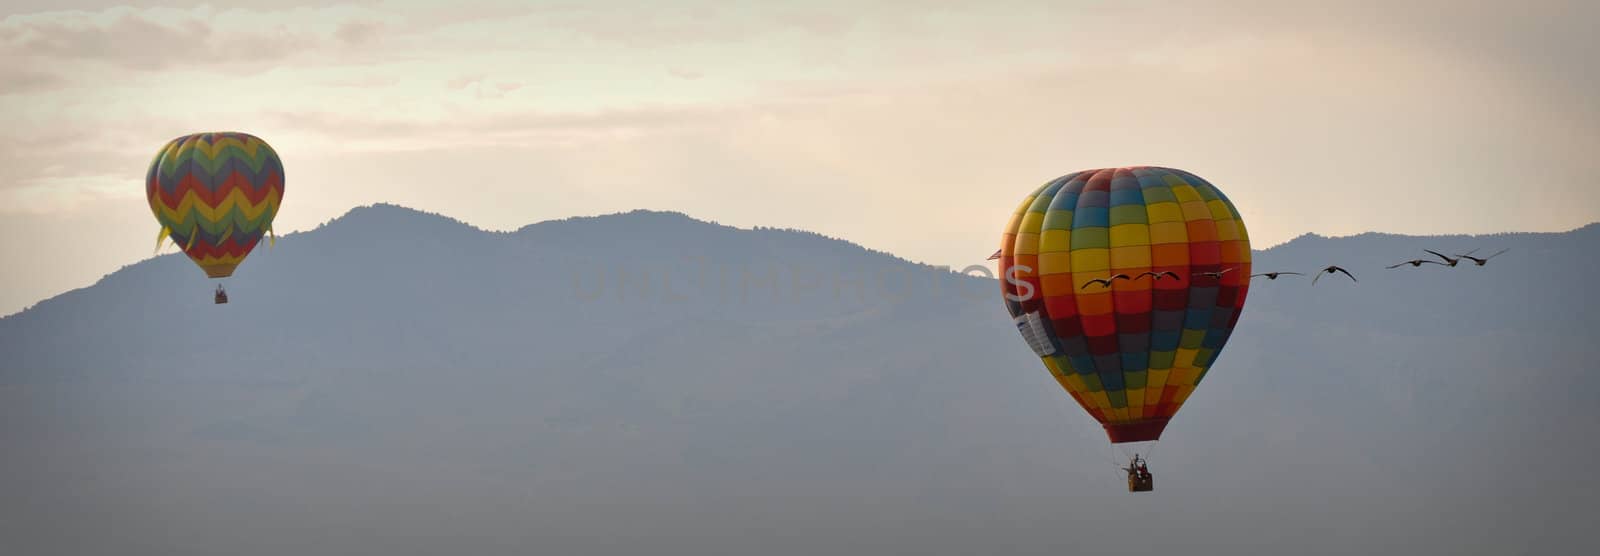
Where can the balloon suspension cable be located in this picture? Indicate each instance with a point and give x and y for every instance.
(1127, 451)
(1116, 461)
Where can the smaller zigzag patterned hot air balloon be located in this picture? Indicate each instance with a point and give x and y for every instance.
(215, 194)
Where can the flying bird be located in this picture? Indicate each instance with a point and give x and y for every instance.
(1105, 281)
(1330, 270)
(1274, 275)
(1417, 263)
(1485, 259)
(1216, 275)
(1447, 260)
(1159, 275)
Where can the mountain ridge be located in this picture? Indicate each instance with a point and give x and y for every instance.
(386, 213)
(692, 388)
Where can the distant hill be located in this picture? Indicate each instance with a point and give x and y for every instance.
(396, 382)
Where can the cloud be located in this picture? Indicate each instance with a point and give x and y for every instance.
(368, 81)
(358, 32)
(656, 25)
(161, 39)
(683, 73)
(819, 23)
(63, 153)
(482, 87)
(141, 40)
(463, 81)
(373, 132)
(1258, 91)
(17, 79)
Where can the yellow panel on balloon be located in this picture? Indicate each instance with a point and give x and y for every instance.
(1100, 399)
(1137, 256)
(1052, 241)
(1089, 260)
(1155, 379)
(1185, 193)
(1127, 235)
(1185, 357)
(1196, 211)
(1219, 210)
(1032, 221)
(1164, 212)
(1169, 232)
(1226, 231)
(1120, 413)
(1055, 263)
(1076, 382)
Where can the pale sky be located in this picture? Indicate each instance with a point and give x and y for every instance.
(913, 127)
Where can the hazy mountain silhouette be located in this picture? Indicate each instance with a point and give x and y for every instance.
(395, 382)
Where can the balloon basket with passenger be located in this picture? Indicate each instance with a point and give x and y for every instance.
(1134, 442)
(1139, 477)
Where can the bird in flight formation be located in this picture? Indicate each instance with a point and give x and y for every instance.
(1159, 275)
(1105, 281)
(1485, 259)
(1447, 260)
(1332, 269)
(1215, 275)
(1418, 262)
(1451, 261)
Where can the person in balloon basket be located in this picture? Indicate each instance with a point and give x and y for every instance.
(1137, 470)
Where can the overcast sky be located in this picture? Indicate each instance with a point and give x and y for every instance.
(912, 127)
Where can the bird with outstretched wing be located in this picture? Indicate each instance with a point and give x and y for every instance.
(1105, 281)
(1332, 269)
(1485, 259)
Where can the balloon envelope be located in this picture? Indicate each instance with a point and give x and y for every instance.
(215, 194)
(1132, 352)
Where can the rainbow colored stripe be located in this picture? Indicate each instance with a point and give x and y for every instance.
(1133, 352)
(215, 194)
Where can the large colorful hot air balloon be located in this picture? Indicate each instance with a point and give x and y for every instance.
(215, 195)
(1133, 351)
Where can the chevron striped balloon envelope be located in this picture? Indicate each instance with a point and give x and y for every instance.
(215, 195)
(1126, 282)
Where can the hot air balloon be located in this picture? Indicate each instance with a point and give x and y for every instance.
(1130, 350)
(215, 195)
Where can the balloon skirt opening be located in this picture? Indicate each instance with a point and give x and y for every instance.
(1137, 431)
(218, 270)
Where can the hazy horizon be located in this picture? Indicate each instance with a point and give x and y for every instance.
(170, 249)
